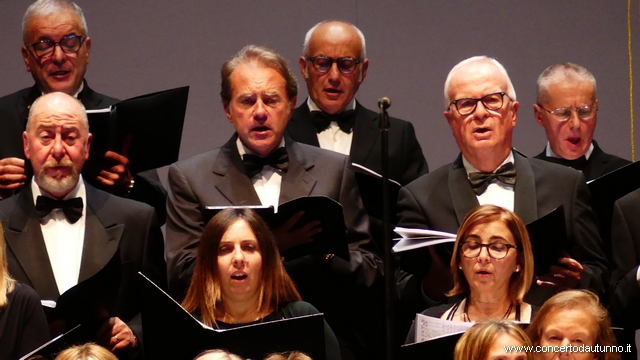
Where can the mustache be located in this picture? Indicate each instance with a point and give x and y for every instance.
(54, 163)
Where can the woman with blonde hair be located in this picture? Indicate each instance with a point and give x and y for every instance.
(573, 320)
(88, 351)
(488, 340)
(239, 277)
(23, 325)
(492, 268)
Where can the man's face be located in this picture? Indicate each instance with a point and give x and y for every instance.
(259, 108)
(483, 131)
(572, 138)
(57, 143)
(59, 71)
(333, 90)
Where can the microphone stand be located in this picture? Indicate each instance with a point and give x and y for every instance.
(384, 104)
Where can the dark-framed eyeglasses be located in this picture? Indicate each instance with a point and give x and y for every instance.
(497, 250)
(69, 44)
(322, 64)
(585, 112)
(467, 106)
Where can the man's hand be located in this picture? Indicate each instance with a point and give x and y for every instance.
(288, 238)
(116, 335)
(112, 170)
(563, 276)
(12, 175)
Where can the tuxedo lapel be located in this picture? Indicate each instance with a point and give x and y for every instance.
(25, 106)
(525, 203)
(24, 239)
(233, 183)
(300, 128)
(365, 133)
(462, 195)
(101, 241)
(296, 182)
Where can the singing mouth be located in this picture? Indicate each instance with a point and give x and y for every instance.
(238, 276)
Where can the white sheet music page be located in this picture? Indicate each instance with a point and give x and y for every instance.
(428, 328)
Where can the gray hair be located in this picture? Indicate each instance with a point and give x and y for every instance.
(42, 8)
(564, 72)
(478, 59)
(265, 57)
(307, 38)
(83, 115)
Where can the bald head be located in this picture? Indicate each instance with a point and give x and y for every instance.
(341, 47)
(57, 102)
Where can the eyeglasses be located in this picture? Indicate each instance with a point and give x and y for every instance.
(322, 64)
(467, 106)
(586, 112)
(69, 44)
(472, 249)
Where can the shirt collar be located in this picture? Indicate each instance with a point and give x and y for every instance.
(470, 168)
(550, 153)
(313, 107)
(77, 92)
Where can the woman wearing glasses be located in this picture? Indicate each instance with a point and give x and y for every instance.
(492, 269)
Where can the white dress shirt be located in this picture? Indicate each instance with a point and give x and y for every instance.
(497, 193)
(64, 240)
(266, 182)
(332, 138)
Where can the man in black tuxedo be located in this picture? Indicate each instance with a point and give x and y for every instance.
(567, 108)
(61, 231)
(258, 95)
(334, 65)
(56, 52)
(482, 111)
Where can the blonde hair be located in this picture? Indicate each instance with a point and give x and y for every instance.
(583, 300)
(292, 355)
(221, 355)
(476, 342)
(520, 281)
(88, 351)
(7, 284)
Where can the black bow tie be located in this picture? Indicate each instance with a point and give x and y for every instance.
(72, 208)
(505, 174)
(253, 164)
(578, 164)
(321, 120)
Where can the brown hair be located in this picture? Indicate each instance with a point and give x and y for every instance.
(88, 351)
(7, 283)
(291, 355)
(476, 342)
(581, 300)
(204, 294)
(265, 57)
(520, 281)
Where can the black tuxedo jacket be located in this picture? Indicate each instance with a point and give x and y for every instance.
(625, 235)
(599, 163)
(441, 200)
(406, 161)
(14, 111)
(112, 223)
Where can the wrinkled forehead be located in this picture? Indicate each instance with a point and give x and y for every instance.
(62, 114)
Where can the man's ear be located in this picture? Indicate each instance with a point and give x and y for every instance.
(88, 44)
(88, 147)
(363, 72)
(292, 106)
(303, 67)
(25, 57)
(538, 113)
(25, 145)
(227, 110)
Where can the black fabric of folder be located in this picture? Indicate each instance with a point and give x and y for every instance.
(146, 129)
(549, 240)
(170, 332)
(371, 192)
(332, 239)
(50, 349)
(608, 188)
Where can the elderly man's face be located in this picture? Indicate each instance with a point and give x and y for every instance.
(58, 71)
(572, 138)
(57, 143)
(333, 90)
(259, 108)
(483, 130)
